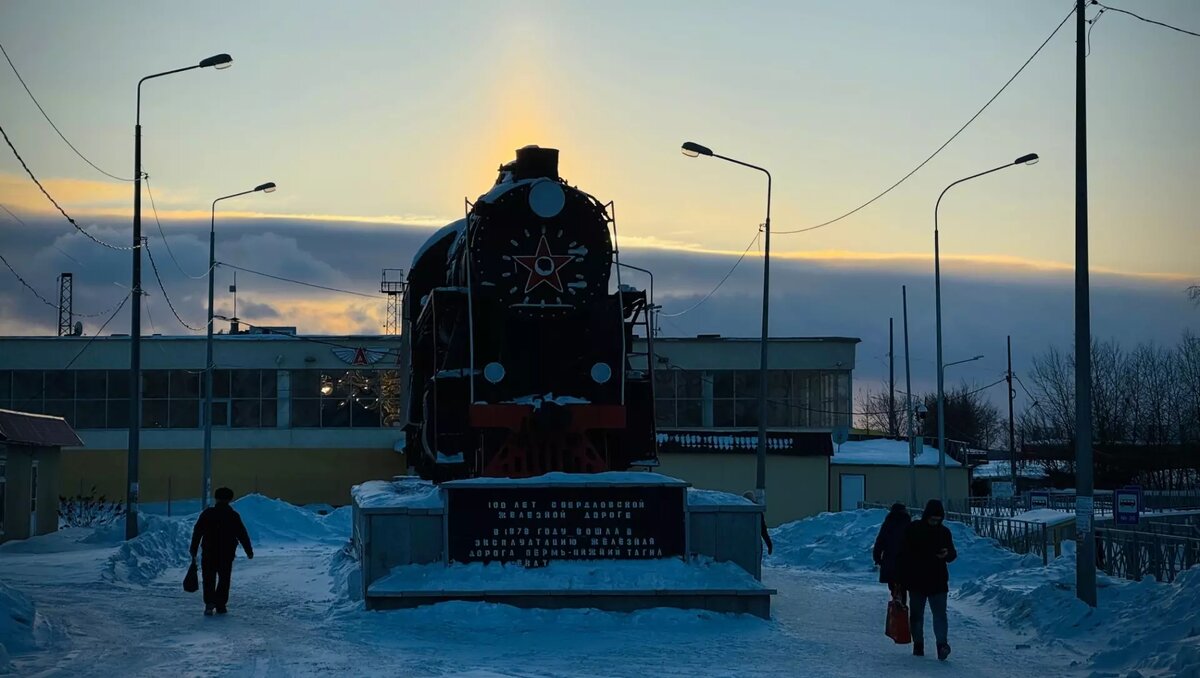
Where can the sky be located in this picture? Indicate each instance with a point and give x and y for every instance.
(376, 120)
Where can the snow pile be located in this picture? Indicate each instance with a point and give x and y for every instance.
(698, 497)
(1145, 626)
(22, 629)
(842, 542)
(579, 575)
(273, 521)
(162, 543)
(400, 493)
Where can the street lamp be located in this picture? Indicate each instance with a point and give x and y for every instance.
(1027, 159)
(206, 479)
(692, 150)
(218, 61)
(959, 362)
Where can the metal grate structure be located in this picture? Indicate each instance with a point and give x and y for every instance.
(66, 304)
(392, 284)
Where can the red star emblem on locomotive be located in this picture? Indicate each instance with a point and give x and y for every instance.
(543, 266)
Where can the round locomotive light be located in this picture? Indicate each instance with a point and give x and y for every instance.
(601, 373)
(493, 372)
(546, 199)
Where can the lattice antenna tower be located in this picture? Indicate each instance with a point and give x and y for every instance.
(393, 285)
(66, 304)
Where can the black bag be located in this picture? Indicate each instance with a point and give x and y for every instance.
(191, 581)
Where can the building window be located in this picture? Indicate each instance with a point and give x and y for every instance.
(795, 398)
(345, 398)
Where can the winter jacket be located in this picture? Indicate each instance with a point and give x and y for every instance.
(922, 571)
(888, 544)
(219, 529)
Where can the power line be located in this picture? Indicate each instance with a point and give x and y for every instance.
(98, 332)
(297, 282)
(299, 337)
(714, 290)
(27, 285)
(163, 233)
(51, 199)
(944, 145)
(1149, 21)
(1091, 26)
(47, 117)
(154, 267)
(984, 388)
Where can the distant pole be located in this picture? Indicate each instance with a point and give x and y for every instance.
(1085, 556)
(892, 423)
(912, 450)
(1012, 439)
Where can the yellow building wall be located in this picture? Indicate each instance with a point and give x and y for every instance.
(310, 476)
(888, 484)
(797, 487)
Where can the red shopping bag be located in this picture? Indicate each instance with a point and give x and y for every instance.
(896, 626)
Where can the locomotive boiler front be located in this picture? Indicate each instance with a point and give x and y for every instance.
(520, 352)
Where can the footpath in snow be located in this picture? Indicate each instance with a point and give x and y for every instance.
(82, 602)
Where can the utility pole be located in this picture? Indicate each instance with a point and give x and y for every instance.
(1012, 439)
(893, 425)
(908, 407)
(1085, 555)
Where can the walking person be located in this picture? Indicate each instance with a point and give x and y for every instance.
(766, 536)
(888, 544)
(219, 530)
(928, 547)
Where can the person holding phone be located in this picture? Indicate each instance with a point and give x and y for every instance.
(928, 548)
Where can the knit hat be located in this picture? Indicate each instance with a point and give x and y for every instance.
(934, 508)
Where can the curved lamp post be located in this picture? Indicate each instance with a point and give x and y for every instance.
(1027, 159)
(692, 150)
(206, 476)
(218, 61)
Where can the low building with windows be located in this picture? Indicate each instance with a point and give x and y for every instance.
(301, 418)
(30, 456)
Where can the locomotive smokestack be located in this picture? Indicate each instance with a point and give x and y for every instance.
(533, 162)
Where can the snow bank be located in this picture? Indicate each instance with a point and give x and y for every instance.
(1145, 626)
(162, 543)
(592, 479)
(699, 497)
(593, 575)
(842, 542)
(22, 629)
(274, 522)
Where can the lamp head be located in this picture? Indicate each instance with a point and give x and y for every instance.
(692, 149)
(219, 61)
(1027, 159)
(268, 187)
(978, 357)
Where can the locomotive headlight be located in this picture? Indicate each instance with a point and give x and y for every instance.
(493, 372)
(546, 199)
(601, 373)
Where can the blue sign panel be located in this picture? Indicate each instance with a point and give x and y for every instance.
(1126, 506)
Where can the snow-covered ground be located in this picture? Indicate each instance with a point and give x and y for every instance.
(80, 602)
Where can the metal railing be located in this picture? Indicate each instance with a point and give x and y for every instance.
(1018, 536)
(1134, 555)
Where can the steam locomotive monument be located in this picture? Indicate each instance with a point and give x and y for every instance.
(530, 422)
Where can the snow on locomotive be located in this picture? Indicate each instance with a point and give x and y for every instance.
(520, 358)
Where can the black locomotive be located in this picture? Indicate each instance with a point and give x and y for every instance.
(520, 348)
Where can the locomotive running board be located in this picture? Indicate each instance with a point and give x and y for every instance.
(511, 416)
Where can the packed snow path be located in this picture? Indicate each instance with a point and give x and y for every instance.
(284, 620)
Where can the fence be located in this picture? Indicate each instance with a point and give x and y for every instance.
(1018, 536)
(1134, 555)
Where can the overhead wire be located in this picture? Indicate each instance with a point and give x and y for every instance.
(99, 331)
(54, 202)
(1149, 21)
(154, 208)
(154, 267)
(714, 290)
(297, 282)
(954, 136)
(47, 117)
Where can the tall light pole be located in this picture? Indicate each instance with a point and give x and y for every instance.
(908, 407)
(218, 61)
(1027, 159)
(692, 150)
(206, 475)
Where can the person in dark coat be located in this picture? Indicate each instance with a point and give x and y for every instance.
(766, 536)
(219, 530)
(928, 548)
(887, 549)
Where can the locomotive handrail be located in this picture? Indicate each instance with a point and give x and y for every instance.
(466, 235)
(610, 211)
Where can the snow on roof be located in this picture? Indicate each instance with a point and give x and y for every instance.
(591, 479)
(885, 452)
(452, 228)
(1047, 516)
